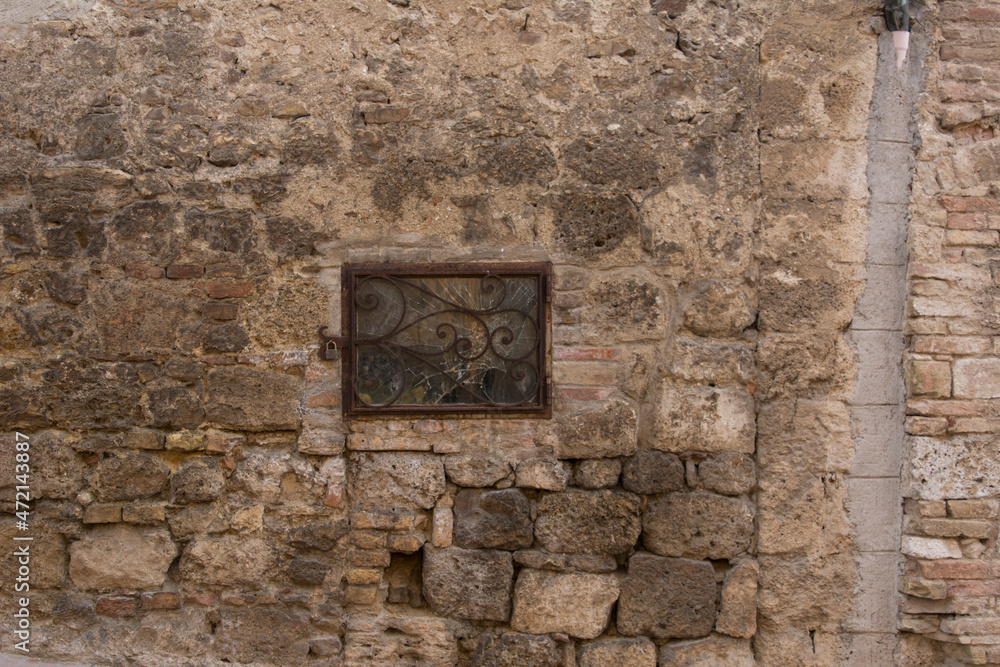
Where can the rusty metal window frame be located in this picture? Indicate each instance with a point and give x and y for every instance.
(346, 347)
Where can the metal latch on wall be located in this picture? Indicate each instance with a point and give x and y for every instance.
(330, 346)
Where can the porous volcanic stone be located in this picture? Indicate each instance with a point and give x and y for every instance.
(225, 561)
(597, 473)
(698, 525)
(492, 519)
(470, 584)
(121, 557)
(263, 635)
(475, 471)
(653, 472)
(710, 652)
(728, 474)
(608, 432)
(638, 652)
(588, 522)
(516, 650)
(667, 598)
(719, 310)
(704, 419)
(738, 611)
(198, 480)
(130, 476)
(252, 400)
(578, 604)
(395, 479)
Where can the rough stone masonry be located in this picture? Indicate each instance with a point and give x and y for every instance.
(183, 180)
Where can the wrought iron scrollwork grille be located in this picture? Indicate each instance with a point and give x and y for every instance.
(445, 339)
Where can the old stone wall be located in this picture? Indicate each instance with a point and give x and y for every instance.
(952, 370)
(184, 180)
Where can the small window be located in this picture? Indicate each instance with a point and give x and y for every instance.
(446, 339)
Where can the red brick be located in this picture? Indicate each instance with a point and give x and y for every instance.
(220, 311)
(219, 360)
(143, 272)
(969, 204)
(228, 290)
(164, 600)
(951, 344)
(966, 221)
(327, 399)
(965, 588)
(984, 14)
(587, 353)
(116, 606)
(955, 569)
(334, 495)
(220, 444)
(204, 598)
(585, 393)
(947, 408)
(184, 271)
(224, 271)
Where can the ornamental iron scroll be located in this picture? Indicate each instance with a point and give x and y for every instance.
(445, 339)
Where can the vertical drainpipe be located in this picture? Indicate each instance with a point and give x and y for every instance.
(897, 21)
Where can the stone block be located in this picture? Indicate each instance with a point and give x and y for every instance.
(545, 474)
(476, 471)
(197, 480)
(143, 439)
(712, 652)
(698, 525)
(147, 514)
(130, 476)
(738, 610)
(252, 400)
(704, 419)
(395, 479)
(469, 584)
(923, 588)
(928, 379)
(121, 557)
(977, 378)
(185, 441)
(539, 559)
(597, 473)
(498, 519)
(588, 522)
(227, 561)
(653, 472)
(607, 432)
(514, 650)
(577, 604)
(667, 598)
(638, 652)
(728, 474)
(103, 513)
(718, 310)
(266, 635)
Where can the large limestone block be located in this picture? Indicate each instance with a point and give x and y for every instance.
(470, 584)
(578, 604)
(395, 479)
(588, 522)
(492, 519)
(728, 474)
(252, 400)
(712, 652)
(738, 611)
(704, 419)
(698, 525)
(225, 561)
(516, 650)
(638, 652)
(607, 432)
(667, 598)
(121, 557)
